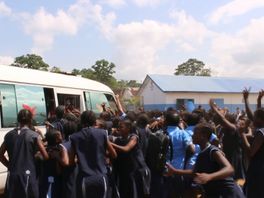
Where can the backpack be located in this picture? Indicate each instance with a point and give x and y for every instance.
(158, 146)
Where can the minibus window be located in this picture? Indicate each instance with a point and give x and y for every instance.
(31, 97)
(8, 106)
(97, 99)
(112, 102)
(71, 103)
(87, 101)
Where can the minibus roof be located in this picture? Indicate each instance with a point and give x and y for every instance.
(12, 74)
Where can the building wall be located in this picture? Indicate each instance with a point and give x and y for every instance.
(154, 98)
(231, 100)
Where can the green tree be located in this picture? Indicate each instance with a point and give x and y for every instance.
(192, 67)
(133, 83)
(56, 70)
(31, 61)
(85, 73)
(103, 71)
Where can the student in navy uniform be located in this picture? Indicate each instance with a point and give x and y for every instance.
(51, 177)
(59, 121)
(22, 145)
(212, 170)
(254, 186)
(90, 145)
(69, 172)
(129, 163)
(232, 143)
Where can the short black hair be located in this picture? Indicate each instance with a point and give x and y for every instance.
(88, 118)
(205, 128)
(105, 115)
(142, 120)
(131, 115)
(24, 117)
(51, 137)
(59, 111)
(191, 118)
(172, 119)
(128, 123)
(69, 128)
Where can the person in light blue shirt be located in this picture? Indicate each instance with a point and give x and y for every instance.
(192, 119)
(181, 142)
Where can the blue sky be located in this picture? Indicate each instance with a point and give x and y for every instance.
(140, 36)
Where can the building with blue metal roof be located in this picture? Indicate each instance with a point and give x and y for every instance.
(164, 91)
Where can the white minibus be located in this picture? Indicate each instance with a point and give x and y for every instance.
(43, 91)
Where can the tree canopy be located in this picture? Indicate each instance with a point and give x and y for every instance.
(192, 67)
(101, 71)
(31, 61)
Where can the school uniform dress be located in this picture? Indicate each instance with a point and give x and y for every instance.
(50, 180)
(90, 146)
(226, 188)
(232, 147)
(127, 167)
(22, 178)
(69, 175)
(254, 186)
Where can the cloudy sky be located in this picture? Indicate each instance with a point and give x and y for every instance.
(140, 36)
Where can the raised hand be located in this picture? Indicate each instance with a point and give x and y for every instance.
(246, 93)
(261, 94)
(212, 104)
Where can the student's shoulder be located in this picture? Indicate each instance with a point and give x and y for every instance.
(12, 133)
(213, 149)
(32, 133)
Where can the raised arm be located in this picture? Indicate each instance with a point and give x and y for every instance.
(261, 94)
(222, 117)
(252, 149)
(119, 106)
(248, 110)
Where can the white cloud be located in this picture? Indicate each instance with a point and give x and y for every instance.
(240, 54)
(137, 46)
(4, 9)
(6, 60)
(139, 43)
(43, 26)
(143, 3)
(234, 8)
(114, 3)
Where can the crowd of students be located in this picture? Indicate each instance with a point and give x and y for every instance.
(141, 154)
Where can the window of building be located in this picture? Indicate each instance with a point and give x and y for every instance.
(183, 103)
(219, 102)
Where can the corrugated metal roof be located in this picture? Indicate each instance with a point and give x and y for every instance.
(172, 83)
